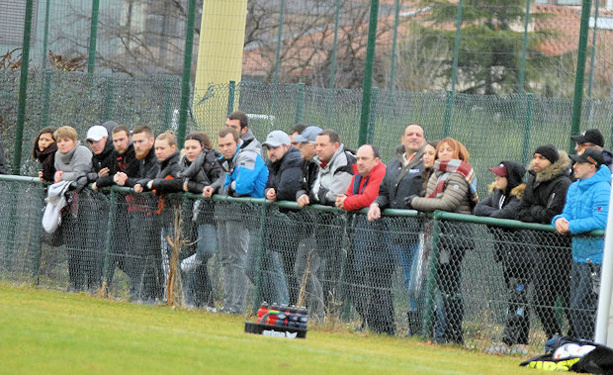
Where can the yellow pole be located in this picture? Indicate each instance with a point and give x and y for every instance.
(220, 60)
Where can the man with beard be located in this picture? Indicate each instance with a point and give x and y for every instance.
(141, 261)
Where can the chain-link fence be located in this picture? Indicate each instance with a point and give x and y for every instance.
(445, 277)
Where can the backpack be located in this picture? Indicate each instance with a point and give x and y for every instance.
(567, 354)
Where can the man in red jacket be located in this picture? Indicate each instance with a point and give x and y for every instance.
(364, 187)
(369, 274)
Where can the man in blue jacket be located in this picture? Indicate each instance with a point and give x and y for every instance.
(245, 176)
(586, 209)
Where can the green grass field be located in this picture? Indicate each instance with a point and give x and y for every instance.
(52, 332)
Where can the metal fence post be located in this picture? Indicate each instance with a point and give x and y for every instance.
(36, 236)
(431, 281)
(93, 37)
(580, 75)
(231, 93)
(525, 155)
(23, 86)
(373, 113)
(299, 103)
(370, 58)
(187, 70)
(524, 49)
(109, 268)
(168, 103)
(456, 46)
(333, 59)
(108, 102)
(448, 112)
(394, 45)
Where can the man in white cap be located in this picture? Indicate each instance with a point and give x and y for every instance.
(102, 150)
(284, 181)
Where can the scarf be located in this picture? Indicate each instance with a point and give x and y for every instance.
(455, 166)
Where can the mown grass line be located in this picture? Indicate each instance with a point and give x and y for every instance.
(53, 332)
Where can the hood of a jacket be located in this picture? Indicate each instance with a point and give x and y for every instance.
(603, 174)
(559, 168)
(515, 174)
(517, 191)
(108, 150)
(250, 142)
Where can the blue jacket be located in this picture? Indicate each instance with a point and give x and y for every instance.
(586, 209)
(246, 174)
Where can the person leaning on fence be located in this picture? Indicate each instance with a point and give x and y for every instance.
(200, 169)
(308, 262)
(167, 181)
(550, 254)
(142, 259)
(102, 148)
(284, 180)
(404, 177)
(586, 209)
(452, 188)
(334, 174)
(44, 152)
(369, 270)
(502, 203)
(240, 122)
(125, 164)
(245, 176)
(72, 163)
(593, 138)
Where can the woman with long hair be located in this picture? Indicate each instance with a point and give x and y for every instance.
(44, 152)
(201, 168)
(453, 188)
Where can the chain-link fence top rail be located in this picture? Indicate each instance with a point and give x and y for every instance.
(323, 43)
(464, 267)
(493, 128)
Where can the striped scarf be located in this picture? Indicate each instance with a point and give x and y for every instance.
(455, 166)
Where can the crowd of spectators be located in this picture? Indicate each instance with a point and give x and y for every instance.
(310, 165)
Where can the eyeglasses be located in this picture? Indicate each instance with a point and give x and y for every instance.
(295, 143)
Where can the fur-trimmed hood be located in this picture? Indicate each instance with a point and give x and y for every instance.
(560, 167)
(517, 191)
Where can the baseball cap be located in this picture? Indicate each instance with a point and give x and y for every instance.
(309, 134)
(96, 133)
(593, 136)
(500, 170)
(589, 155)
(277, 138)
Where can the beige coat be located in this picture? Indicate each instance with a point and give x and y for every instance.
(455, 196)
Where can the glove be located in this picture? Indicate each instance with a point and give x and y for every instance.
(409, 200)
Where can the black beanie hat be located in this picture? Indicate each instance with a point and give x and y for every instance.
(549, 152)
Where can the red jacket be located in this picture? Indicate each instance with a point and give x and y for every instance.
(363, 195)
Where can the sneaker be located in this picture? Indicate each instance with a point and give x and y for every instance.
(498, 349)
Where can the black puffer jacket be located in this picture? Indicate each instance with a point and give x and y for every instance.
(168, 179)
(285, 175)
(401, 182)
(309, 175)
(545, 192)
(126, 163)
(503, 204)
(104, 159)
(148, 168)
(201, 172)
